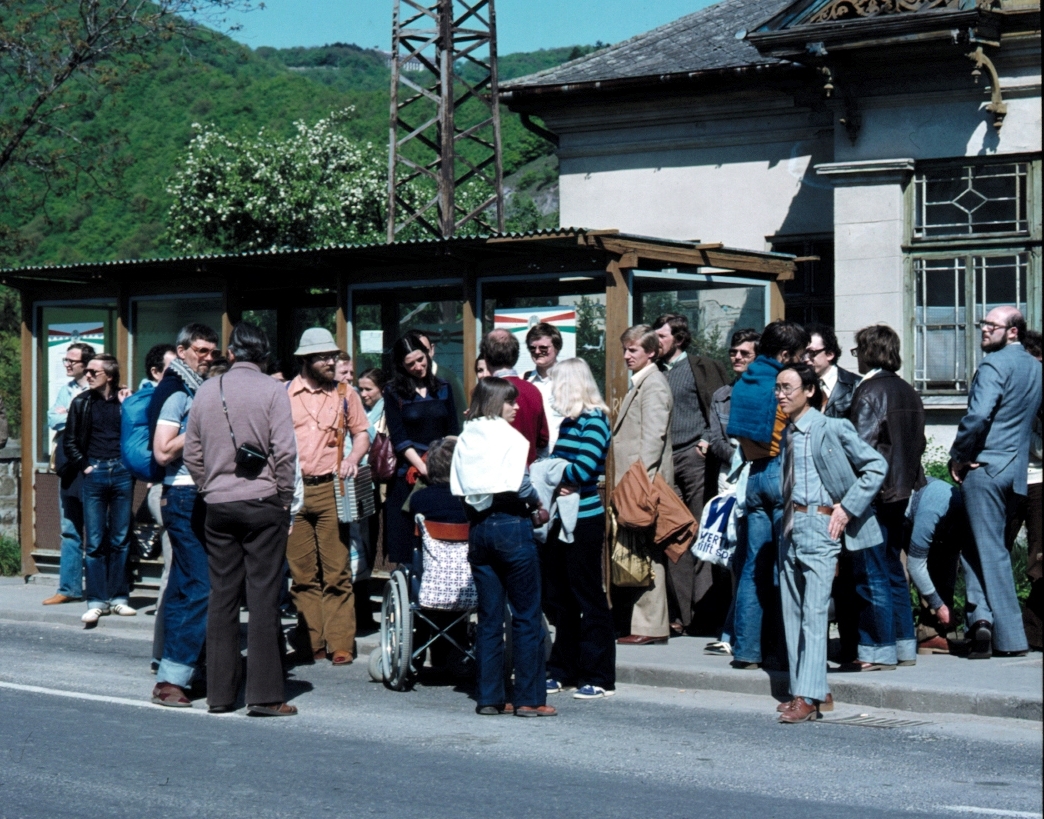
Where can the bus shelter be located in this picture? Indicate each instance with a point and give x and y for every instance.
(592, 284)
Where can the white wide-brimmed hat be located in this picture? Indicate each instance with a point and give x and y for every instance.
(316, 340)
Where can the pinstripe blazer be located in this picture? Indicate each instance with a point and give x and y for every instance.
(852, 472)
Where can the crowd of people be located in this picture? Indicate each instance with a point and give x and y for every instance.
(832, 506)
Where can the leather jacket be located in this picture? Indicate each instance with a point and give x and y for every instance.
(77, 436)
(888, 414)
(840, 403)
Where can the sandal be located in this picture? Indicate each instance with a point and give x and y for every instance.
(275, 709)
(342, 658)
(536, 711)
(170, 695)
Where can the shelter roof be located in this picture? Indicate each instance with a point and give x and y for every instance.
(562, 244)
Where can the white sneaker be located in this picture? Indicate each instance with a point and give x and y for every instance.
(91, 615)
(124, 610)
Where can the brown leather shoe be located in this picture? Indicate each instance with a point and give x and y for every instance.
(170, 695)
(934, 645)
(58, 599)
(536, 711)
(825, 705)
(641, 640)
(342, 658)
(800, 711)
(274, 709)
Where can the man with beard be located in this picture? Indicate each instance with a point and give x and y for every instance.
(989, 458)
(181, 624)
(324, 412)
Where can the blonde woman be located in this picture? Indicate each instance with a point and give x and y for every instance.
(643, 432)
(584, 653)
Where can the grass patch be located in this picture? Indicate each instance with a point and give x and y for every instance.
(10, 556)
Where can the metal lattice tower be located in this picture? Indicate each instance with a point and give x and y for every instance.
(445, 128)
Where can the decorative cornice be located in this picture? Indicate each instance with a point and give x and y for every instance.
(853, 9)
(873, 171)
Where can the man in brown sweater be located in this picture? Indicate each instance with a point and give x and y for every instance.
(248, 499)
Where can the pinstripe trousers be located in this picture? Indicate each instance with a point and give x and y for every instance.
(805, 582)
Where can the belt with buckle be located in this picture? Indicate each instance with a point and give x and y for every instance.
(315, 480)
(823, 510)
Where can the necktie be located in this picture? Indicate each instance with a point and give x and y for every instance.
(788, 481)
(825, 389)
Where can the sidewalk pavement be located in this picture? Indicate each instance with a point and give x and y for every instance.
(1001, 687)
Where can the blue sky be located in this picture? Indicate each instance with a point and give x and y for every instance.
(523, 25)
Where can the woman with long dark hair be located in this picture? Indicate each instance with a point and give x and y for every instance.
(418, 408)
(489, 472)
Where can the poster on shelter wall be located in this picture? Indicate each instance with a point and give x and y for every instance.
(59, 337)
(518, 320)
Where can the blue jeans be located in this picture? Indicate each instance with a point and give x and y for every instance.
(188, 586)
(886, 627)
(70, 572)
(755, 562)
(107, 496)
(503, 557)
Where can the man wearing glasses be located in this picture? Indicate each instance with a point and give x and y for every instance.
(544, 342)
(837, 384)
(989, 458)
(183, 617)
(325, 414)
(70, 502)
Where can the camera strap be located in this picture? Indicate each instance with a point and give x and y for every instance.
(224, 406)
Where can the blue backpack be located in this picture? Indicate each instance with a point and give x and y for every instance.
(135, 441)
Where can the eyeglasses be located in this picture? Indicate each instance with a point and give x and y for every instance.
(69, 361)
(205, 352)
(854, 351)
(540, 350)
(92, 373)
(991, 327)
(736, 352)
(785, 390)
(322, 357)
(812, 353)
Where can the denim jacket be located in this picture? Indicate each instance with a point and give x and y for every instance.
(852, 473)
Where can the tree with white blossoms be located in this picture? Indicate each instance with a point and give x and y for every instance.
(316, 187)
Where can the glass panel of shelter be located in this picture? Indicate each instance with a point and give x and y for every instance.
(716, 306)
(58, 326)
(379, 316)
(157, 320)
(575, 303)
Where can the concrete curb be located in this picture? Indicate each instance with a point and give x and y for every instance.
(879, 690)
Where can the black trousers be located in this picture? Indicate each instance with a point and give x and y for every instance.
(246, 545)
(585, 643)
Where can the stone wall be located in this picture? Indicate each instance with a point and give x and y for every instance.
(10, 470)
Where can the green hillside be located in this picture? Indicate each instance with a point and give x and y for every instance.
(239, 90)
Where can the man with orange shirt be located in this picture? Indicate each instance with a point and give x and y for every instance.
(758, 423)
(325, 414)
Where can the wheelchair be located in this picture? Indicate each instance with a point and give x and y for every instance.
(438, 581)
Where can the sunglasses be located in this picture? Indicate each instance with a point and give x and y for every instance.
(92, 373)
(68, 361)
(735, 352)
(540, 350)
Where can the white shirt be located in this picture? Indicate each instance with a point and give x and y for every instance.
(828, 381)
(554, 419)
(638, 377)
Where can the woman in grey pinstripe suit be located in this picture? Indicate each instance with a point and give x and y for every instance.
(830, 477)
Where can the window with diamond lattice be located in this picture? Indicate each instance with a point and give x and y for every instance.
(971, 200)
(973, 231)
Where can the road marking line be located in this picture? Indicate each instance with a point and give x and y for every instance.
(1021, 814)
(79, 695)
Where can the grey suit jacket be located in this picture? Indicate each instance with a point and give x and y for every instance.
(643, 429)
(1003, 401)
(852, 472)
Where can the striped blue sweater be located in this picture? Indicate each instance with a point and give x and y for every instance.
(584, 442)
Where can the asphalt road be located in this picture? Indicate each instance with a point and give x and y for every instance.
(79, 739)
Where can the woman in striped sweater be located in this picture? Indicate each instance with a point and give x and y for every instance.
(584, 652)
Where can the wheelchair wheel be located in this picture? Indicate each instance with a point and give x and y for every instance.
(396, 632)
(376, 665)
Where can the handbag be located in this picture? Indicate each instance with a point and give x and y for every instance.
(631, 564)
(447, 583)
(383, 461)
(716, 542)
(250, 460)
(147, 540)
